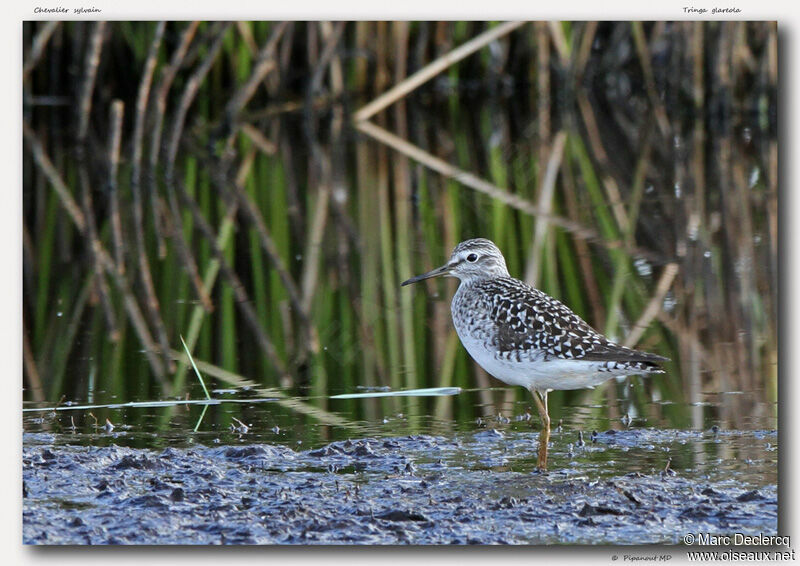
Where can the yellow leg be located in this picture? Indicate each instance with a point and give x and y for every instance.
(544, 436)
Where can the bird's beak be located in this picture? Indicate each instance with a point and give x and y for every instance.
(438, 272)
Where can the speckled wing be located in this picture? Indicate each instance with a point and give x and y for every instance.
(528, 320)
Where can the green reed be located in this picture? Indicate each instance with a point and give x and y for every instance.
(397, 218)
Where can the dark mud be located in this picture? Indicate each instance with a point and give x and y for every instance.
(478, 488)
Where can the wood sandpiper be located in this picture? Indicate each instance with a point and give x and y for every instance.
(524, 337)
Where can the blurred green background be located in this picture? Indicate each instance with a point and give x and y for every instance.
(207, 180)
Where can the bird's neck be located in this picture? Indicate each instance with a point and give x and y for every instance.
(475, 278)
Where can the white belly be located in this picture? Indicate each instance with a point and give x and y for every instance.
(533, 373)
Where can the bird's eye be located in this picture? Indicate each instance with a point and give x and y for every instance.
(472, 258)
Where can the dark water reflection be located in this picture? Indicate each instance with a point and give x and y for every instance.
(611, 446)
(670, 174)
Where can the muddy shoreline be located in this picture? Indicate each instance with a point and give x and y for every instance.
(478, 489)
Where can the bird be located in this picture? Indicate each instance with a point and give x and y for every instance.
(522, 336)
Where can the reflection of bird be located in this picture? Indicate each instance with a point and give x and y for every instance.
(524, 337)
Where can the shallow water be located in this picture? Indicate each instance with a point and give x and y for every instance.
(373, 482)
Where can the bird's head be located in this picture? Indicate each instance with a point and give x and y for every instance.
(471, 260)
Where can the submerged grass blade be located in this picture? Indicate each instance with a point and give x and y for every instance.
(136, 405)
(426, 392)
(194, 366)
(200, 420)
(278, 396)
